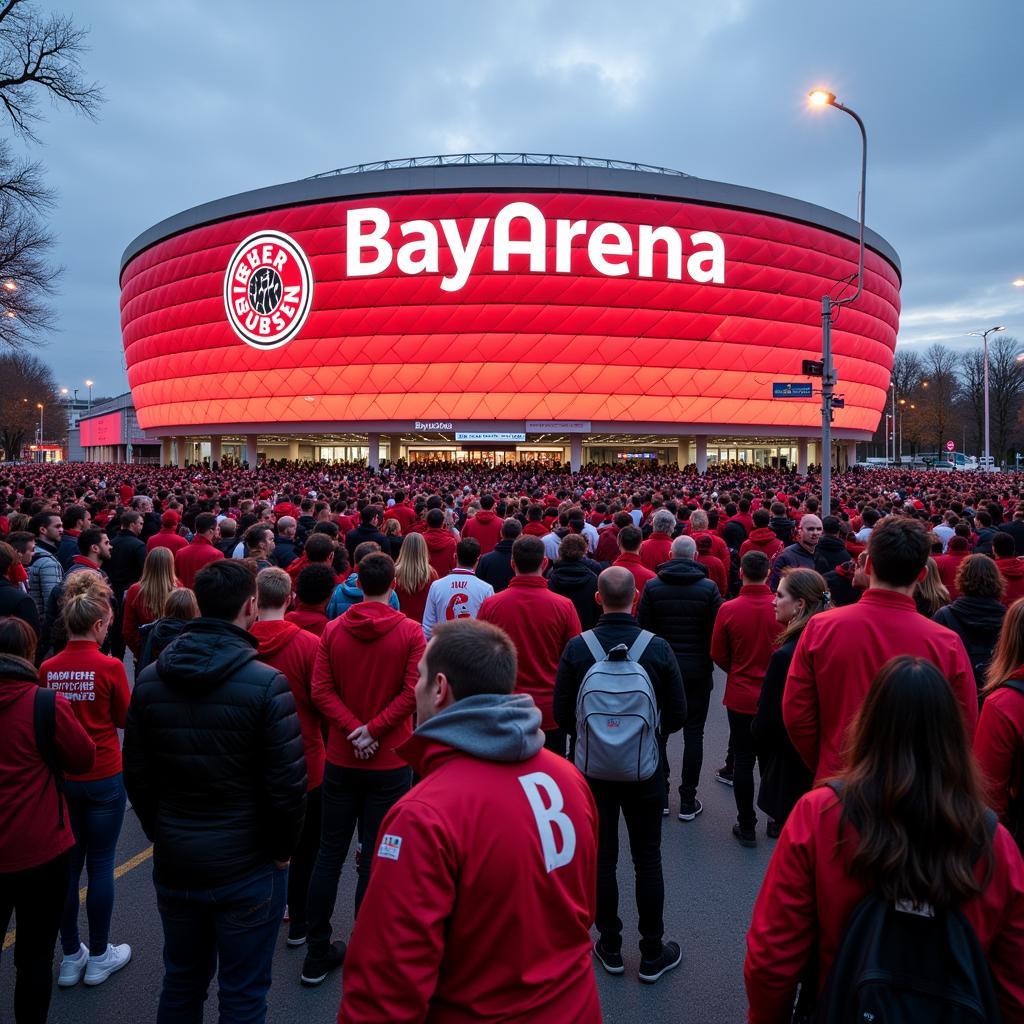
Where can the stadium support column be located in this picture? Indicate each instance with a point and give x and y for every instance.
(166, 454)
(293, 451)
(394, 447)
(682, 454)
(851, 454)
(252, 455)
(216, 448)
(801, 455)
(702, 454)
(575, 452)
(181, 448)
(373, 451)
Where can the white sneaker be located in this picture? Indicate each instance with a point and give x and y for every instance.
(102, 967)
(73, 967)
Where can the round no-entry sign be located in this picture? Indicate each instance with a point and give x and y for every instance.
(950, 446)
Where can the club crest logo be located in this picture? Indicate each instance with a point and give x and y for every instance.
(268, 289)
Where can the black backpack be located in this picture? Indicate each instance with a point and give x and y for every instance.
(980, 643)
(44, 724)
(899, 962)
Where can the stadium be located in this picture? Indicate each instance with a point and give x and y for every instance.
(499, 307)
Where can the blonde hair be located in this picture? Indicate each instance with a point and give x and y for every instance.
(1009, 653)
(158, 579)
(392, 528)
(181, 604)
(86, 600)
(808, 586)
(412, 570)
(932, 590)
(273, 588)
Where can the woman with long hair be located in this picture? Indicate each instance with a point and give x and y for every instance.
(999, 740)
(906, 821)
(413, 575)
(35, 826)
(931, 593)
(145, 599)
(801, 594)
(97, 687)
(179, 609)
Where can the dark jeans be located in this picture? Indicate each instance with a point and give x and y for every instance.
(640, 803)
(36, 896)
(742, 745)
(303, 859)
(351, 797)
(230, 930)
(96, 810)
(555, 740)
(698, 700)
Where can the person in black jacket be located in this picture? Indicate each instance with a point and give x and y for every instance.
(13, 600)
(640, 802)
(831, 552)
(368, 529)
(214, 768)
(284, 542)
(496, 566)
(127, 558)
(573, 578)
(680, 606)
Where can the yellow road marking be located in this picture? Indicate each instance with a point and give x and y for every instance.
(119, 872)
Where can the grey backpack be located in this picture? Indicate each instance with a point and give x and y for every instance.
(617, 714)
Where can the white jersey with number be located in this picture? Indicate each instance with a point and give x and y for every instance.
(456, 596)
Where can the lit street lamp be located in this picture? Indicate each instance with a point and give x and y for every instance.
(984, 348)
(1019, 283)
(824, 98)
(88, 384)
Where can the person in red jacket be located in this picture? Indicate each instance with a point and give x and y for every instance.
(630, 543)
(292, 651)
(535, 522)
(144, 602)
(440, 543)
(540, 623)
(1010, 567)
(762, 537)
(742, 643)
(402, 510)
(363, 684)
(658, 547)
(97, 688)
(313, 590)
(999, 741)
(894, 831)
(608, 538)
(499, 835)
(959, 548)
(191, 558)
(841, 650)
(699, 528)
(716, 570)
(167, 536)
(485, 526)
(35, 824)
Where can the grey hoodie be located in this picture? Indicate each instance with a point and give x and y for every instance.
(493, 727)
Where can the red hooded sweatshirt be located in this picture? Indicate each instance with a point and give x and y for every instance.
(485, 527)
(809, 894)
(837, 658)
(537, 529)
(742, 643)
(311, 619)
(540, 623)
(365, 674)
(482, 892)
(999, 745)
(1012, 570)
(655, 550)
(167, 537)
(30, 833)
(292, 651)
(948, 564)
(762, 538)
(440, 549)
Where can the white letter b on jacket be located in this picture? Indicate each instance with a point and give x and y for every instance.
(548, 815)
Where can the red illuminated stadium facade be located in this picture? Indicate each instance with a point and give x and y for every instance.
(501, 307)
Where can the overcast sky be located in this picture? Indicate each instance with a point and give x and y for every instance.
(209, 99)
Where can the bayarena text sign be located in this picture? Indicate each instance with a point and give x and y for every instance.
(503, 296)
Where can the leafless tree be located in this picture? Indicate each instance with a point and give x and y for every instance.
(40, 56)
(1006, 391)
(27, 383)
(972, 404)
(939, 397)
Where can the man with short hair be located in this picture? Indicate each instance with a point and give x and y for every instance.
(76, 519)
(440, 543)
(495, 568)
(681, 605)
(201, 552)
(459, 594)
(228, 535)
(284, 552)
(313, 590)
(658, 547)
(44, 572)
(631, 542)
(869, 517)
(368, 529)
(364, 686)
(497, 833)
(214, 768)
(762, 536)
(1010, 567)
(485, 526)
(540, 623)
(639, 802)
(127, 558)
(830, 550)
(259, 545)
(802, 553)
(742, 644)
(839, 654)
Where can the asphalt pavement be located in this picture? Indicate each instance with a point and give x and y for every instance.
(710, 884)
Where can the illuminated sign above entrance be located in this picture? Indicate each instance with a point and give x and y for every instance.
(489, 435)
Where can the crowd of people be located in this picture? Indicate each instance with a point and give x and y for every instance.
(474, 673)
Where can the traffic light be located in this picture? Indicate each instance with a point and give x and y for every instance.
(813, 368)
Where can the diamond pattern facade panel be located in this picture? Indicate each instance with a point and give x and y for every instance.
(558, 340)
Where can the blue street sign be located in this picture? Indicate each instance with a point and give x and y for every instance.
(787, 390)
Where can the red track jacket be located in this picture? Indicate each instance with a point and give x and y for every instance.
(742, 643)
(192, 557)
(999, 745)
(837, 658)
(485, 527)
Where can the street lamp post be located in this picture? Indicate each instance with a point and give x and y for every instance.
(39, 406)
(824, 98)
(984, 348)
(88, 384)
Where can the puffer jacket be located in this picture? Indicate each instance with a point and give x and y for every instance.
(829, 553)
(681, 605)
(578, 582)
(44, 574)
(213, 759)
(977, 621)
(347, 594)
